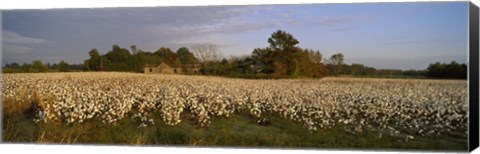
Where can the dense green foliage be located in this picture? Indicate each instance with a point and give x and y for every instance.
(63, 67)
(37, 66)
(120, 59)
(283, 58)
(453, 70)
(185, 56)
(360, 70)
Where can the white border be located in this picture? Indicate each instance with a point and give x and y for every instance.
(83, 149)
(49, 4)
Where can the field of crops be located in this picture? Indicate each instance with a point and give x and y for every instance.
(405, 108)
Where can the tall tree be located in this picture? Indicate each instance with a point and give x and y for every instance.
(336, 61)
(206, 53)
(185, 56)
(285, 53)
(314, 56)
(282, 40)
(118, 54)
(94, 63)
(118, 59)
(63, 66)
(284, 58)
(168, 56)
(26, 67)
(134, 49)
(38, 66)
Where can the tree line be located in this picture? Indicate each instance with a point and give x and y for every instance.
(453, 70)
(120, 59)
(283, 58)
(37, 66)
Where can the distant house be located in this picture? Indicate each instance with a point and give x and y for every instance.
(165, 69)
(192, 68)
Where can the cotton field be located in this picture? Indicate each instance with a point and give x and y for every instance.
(405, 107)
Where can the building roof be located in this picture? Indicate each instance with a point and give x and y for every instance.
(150, 65)
(156, 65)
(164, 65)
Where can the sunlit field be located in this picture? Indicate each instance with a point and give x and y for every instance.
(180, 110)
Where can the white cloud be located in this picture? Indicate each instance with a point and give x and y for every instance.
(16, 49)
(9, 37)
(152, 27)
(13, 43)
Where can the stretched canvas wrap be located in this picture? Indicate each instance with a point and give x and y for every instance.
(357, 76)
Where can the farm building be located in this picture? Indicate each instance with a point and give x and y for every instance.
(165, 69)
(192, 68)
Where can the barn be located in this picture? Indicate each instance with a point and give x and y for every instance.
(166, 69)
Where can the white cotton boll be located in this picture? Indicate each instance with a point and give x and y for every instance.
(113, 96)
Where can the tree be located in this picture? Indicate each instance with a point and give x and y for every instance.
(282, 40)
(185, 56)
(263, 60)
(13, 65)
(356, 69)
(314, 56)
(26, 67)
(435, 69)
(118, 54)
(38, 66)
(453, 70)
(63, 66)
(134, 49)
(118, 59)
(206, 53)
(284, 58)
(262, 55)
(336, 62)
(94, 63)
(168, 56)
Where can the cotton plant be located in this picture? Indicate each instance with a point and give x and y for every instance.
(427, 107)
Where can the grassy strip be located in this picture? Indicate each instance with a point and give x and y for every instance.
(239, 130)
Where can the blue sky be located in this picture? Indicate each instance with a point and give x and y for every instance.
(382, 35)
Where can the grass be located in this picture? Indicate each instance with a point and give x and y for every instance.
(238, 130)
